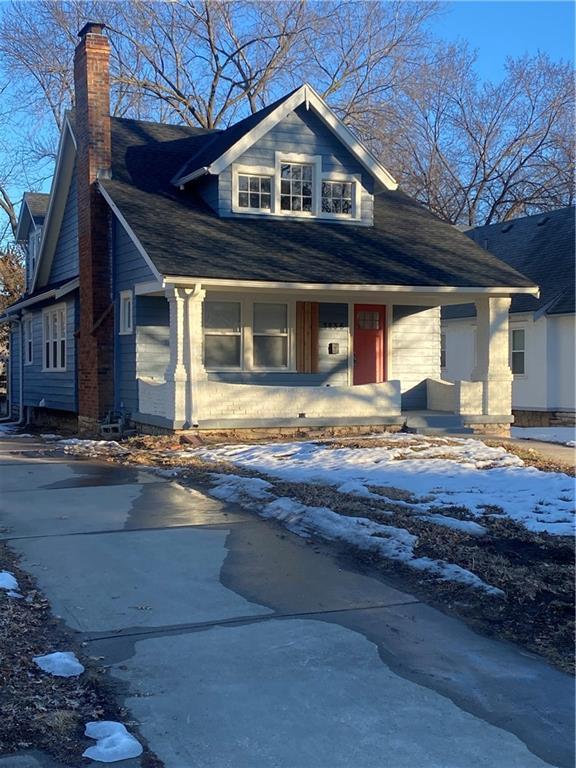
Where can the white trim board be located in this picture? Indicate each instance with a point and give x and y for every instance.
(59, 189)
(354, 287)
(308, 96)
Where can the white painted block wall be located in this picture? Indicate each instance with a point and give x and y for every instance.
(414, 338)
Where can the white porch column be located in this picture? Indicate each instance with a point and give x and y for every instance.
(492, 366)
(176, 375)
(194, 352)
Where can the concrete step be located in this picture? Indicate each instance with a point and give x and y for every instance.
(436, 423)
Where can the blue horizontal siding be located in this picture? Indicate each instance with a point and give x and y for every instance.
(130, 268)
(65, 262)
(56, 388)
(303, 132)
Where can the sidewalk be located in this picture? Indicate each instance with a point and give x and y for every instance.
(235, 644)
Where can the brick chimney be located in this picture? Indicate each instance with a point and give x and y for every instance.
(93, 159)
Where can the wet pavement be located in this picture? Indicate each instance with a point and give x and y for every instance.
(235, 644)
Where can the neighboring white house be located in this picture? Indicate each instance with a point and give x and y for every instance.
(542, 331)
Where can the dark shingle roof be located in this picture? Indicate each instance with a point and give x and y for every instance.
(184, 237)
(37, 202)
(221, 141)
(540, 246)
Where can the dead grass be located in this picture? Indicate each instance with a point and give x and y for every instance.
(40, 711)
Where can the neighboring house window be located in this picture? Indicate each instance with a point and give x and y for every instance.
(126, 313)
(28, 340)
(296, 187)
(54, 338)
(33, 248)
(254, 192)
(518, 351)
(337, 197)
(442, 350)
(270, 335)
(222, 334)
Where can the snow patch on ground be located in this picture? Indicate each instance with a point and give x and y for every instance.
(114, 743)
(391, 542)
(562, 435)
(463, 472)
(8, 581)
(50, 436)
(60, 664)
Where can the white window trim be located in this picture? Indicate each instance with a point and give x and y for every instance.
(295, 157)
(55, 308)
(28, 323)
(246, 334)
(252, 170)
(356, 180)
(525, 350)
(126, 330)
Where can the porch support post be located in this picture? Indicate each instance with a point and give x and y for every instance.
(492, 366)
(194, 352)
(176, 375)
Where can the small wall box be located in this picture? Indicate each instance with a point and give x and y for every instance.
(333, 348)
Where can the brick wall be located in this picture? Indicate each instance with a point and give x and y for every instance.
(96, 333)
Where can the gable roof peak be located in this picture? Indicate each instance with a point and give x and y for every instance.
(228, 145)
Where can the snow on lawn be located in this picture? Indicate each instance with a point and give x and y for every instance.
(389, 541)
(563, 435)
(60, 664)
(113, 742)
(459, 472)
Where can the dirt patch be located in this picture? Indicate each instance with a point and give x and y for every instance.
(533, 458)
(40, 711)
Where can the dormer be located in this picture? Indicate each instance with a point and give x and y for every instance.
(29, 229)
(293, 160)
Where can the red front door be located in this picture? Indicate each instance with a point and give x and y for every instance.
(369, 343)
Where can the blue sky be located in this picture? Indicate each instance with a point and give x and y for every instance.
(501, 28)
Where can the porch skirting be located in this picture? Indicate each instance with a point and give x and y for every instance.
(212, 403)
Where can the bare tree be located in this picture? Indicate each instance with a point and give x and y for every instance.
(472, 152)
(477, 153)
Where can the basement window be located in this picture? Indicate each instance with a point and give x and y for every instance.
(54, 338)
(126, 313)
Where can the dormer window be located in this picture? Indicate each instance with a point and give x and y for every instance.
(33, 248)
(296, 190)
(337, 197)
(296, 187)
(254, 192)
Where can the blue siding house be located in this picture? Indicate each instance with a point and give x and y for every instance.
(271, 274)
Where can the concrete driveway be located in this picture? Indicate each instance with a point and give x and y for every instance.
(237, 645)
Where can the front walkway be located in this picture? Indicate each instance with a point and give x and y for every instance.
(234, 643)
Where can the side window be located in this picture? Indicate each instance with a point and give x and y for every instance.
(54, 338)
(254, 192)
(28, 340)
(126, 325)
(442, 350)
(518, 351)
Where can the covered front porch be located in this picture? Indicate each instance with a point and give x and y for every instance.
(328, 356)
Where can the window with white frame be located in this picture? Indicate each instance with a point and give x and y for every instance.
(296, 187)
(222, 334)
(254, 192)
(28, 340)
(338, 197)
(54, 338)
(518, 351)
(270, 335)
(33, 248)
(126, 324)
